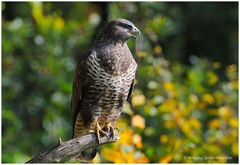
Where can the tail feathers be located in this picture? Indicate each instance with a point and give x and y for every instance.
(88, 154)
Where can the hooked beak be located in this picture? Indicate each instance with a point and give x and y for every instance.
(135, 32)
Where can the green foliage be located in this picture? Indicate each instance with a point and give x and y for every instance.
(178, 112)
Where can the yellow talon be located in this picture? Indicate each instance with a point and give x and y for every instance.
(111, 129)
(98, 131)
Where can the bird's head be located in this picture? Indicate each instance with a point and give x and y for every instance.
(120, 30)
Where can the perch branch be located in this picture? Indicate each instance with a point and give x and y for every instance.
(70, 150)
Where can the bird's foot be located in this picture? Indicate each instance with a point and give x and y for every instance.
(100, 131)
(111, 130)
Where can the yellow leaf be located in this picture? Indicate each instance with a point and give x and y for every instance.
(225, 112)
(166, 159)
(177, 143)
(234, 148)
(208, 98)
(138, 100)
(225, 140)
(202, 105)
(233, 122)
(126, 137)
(217, 65)
(129, 157)
(122, 123)
(195, 123)
(58, 23)
(158, 49)
(186, 127)
(168, 86)
(212, 78)
(214, 123)
(177, 114)
(212, 111)
(232, 68)
(168, 105)
(193, 99)
(164, 139)
(137, 140)
(169, 124)
(233, 84)
(111, 155)
(141, 54)
(219, 96)
(138, 121)
(142, 159)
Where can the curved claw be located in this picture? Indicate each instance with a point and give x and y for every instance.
(100, 131)
(112, 130)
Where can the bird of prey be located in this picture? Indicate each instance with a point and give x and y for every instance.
(103, 81)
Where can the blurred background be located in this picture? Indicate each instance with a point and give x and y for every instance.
(185, 102)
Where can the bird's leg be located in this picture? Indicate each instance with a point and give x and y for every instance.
(98, 131)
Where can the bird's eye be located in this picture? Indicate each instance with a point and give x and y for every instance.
(126, 26)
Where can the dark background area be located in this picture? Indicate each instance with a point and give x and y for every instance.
(202, 29)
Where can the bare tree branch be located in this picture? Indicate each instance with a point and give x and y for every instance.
(71, 149)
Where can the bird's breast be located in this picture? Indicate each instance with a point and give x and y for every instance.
(115, 59)
(107, 91)
(108, 80)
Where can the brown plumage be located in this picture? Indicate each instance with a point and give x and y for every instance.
(103, 82)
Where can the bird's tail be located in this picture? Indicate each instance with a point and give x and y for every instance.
(78, 130)
(88, 154)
